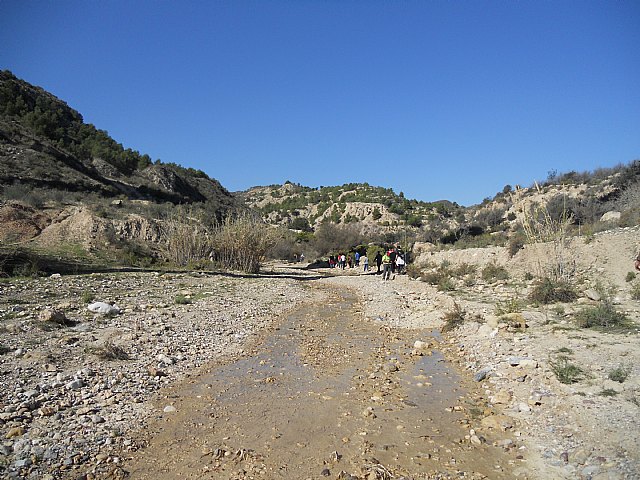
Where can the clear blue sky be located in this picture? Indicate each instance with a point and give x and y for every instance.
(437, 99)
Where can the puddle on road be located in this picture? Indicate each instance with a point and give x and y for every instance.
(316, 398)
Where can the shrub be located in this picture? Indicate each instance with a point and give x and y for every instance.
(109, 351)
(493, 272)
(182, 300)
(620, 373)
(635, 291)
(608, 392)
(446, 284)
(413, 270)
(511, 305)
(453, 318)
(565, 350)
(630, 277)
(602, 315)
(516, 243)
(87, 297)
(550, 291)
(464, 269)
(241, 243)
(565, 371)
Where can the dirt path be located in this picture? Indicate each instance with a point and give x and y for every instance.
(325, 394)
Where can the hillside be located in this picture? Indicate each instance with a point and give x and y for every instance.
(591, 201)
(306, 208)
(66, 185)
(45, 144)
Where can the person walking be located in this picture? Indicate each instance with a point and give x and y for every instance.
(400, 264)
(378, 259)
(386, 266)
(365, 263)
(357, 259)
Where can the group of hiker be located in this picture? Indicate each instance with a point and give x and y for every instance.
(388, 262)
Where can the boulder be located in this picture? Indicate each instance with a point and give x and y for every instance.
(611, 216)
(52, 315)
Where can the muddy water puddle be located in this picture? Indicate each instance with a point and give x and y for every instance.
(328, 394)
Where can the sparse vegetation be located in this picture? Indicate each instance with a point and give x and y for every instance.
(608, 392)
(547, 291)
(510, 305)
(453, 318)
(182, 300)
(493, 272)
(109, 351)
(630, 277)
(87, 297)
(620, 373)
(566, 350)
(602, 315)
(565, 371)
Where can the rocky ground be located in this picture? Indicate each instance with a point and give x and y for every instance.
(78, 386)
(75, 384)
(589, 429)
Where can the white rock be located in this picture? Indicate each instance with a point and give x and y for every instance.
(104, 308)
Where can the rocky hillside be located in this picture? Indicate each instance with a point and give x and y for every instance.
(306, 208)
(589, 201)
(66, 185)
(45, 145)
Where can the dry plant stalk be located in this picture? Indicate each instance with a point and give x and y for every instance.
(241, 242)
(186, 238)
(541, 228)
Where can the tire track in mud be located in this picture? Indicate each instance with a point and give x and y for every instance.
(326, 394)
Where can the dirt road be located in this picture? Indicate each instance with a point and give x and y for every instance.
(326, 394)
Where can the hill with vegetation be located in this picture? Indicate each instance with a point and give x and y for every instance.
(47, 150)
(67, 185)
(361, 213)
(69, 188)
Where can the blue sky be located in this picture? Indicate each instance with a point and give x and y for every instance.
(437, 99)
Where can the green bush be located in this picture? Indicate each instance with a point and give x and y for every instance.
(182, 300)
(566, 372)
(550, 291)
(601, 315)
(510, 305)
(620, 373)
(493, 272)
(87, 296)
(630, 276)
(446, 284)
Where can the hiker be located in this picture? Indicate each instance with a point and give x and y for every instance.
(378, 259)
(400, 264)
(357, 258)
(392, 255)
(386, 266)
(343, 261)
(365, 263)
(301, 257)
